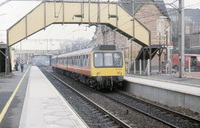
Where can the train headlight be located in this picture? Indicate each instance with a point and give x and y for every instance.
(99, 78)
(120, 78)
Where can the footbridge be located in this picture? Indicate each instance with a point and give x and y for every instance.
(92, 13)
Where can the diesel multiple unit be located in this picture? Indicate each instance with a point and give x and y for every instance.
(100, 67)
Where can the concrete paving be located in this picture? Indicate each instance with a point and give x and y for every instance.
(7, 86)
(34, 103)
(44, 107)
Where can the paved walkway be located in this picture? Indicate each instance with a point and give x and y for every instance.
(44, 107)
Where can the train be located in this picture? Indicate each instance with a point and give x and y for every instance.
(100, 67)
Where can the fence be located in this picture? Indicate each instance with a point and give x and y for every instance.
(144, 67)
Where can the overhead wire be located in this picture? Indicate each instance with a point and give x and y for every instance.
(157, 14)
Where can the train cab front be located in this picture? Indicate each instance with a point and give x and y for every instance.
(107, 67)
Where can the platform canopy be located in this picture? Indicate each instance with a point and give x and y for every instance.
(92, 13)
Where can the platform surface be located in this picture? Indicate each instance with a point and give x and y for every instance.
(44, 107)
(168, 82)
(29, 100)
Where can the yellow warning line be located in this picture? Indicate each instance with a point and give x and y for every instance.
(12, 97)
(176, 82)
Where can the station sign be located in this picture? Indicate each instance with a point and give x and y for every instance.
(170, 45)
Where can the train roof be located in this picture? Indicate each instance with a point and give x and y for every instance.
(88, 50)
(74, 53)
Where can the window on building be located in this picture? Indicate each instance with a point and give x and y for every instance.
(160, 27)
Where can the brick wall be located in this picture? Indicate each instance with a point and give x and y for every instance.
(149, 15)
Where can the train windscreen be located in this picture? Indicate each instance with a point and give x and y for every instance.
(108, 59)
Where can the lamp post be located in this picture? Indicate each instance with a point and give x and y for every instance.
(181, 38)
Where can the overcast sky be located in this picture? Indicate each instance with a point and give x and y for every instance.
(12, 11)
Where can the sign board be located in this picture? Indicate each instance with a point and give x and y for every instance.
(170, 45)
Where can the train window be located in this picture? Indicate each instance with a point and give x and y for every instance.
(108, 59)
(98, 59)
(117, 59)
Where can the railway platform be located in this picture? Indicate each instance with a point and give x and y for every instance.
(29, 100)
(166, 89)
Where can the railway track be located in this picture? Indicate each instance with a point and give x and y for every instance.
(93, 114)
(167, 116)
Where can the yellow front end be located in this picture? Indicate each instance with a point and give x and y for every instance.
(107, 71)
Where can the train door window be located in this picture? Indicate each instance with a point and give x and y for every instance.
(79, 60)
(86, 61)
(98, 59)
(73, 61)
(76, 60)
(108, 59)
(69, 60)
(65, 61)
(118, 61)
(56, 60)
(83, 61)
